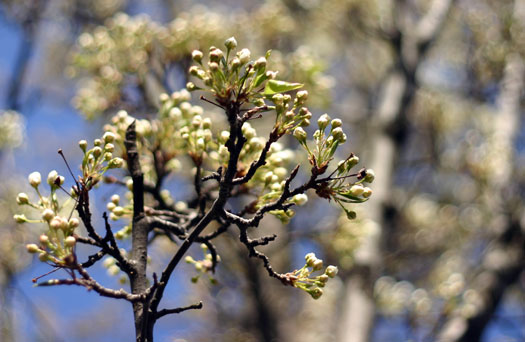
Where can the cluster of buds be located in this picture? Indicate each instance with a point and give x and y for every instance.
(110, 264)
(98, 159)
(291, 115)
(304, 280)
(116, 211)
(336, 186)
(57, 242)
(204, 266)
(236, 77)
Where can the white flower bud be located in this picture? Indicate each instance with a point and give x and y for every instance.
(73, 222)
(108, 137)
(197, 55)
(115, 163)
(109, 147)
(317, 264)
(35, 179)
(197, 121)
(20, 218)
(367, 192)
(331, 271)
(206, 123)
(302, 95)
(323, 121)
(118, 211)
(115, 198)
(97, 151)
(22, 198)
(32, 248)
(337, 133)
(51, 177)
(260, 63)
(356, 190)
(370, 176)
(300, 199)
(336, 123)
(48, 214)
(59, 222)
(300, 134)
(97, 142)
(316, 293)
(244, 56)
(230, 43)
(83, 145)
(44, 239)
(70, 241)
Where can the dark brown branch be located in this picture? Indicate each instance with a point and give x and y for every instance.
(139, 234)
(165, 312)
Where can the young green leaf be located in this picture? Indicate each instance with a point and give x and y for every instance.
(275, 87)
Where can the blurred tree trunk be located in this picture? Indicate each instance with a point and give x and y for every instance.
(504, 258)
(386, 133)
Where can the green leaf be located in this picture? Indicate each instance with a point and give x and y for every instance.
(275, 87)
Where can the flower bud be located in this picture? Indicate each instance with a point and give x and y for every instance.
(189, 259)
(316, 293)
(216, 55)
(260, 63)
(323, 121)
(370, 176)
(22, 198)
(197, 55)
(115, 163)
(300, 199)
(115, 198)
(300, 134)
(367, 192)
(317, 264)
(97, 142)
(236, 63)
(206, 123)
(108, 137)
(59, 222)
(97, 151)
(109, 147)
(302, 95)
(110, 206)
(44, 239)
(73, 222)
(336, 123)
(356, 190)
(51, 178)
(48, 214)
(213, 66)
(244, 56)
(331, 271)
(230, 43)
(70, 241)
(35, 179)
(32, 248)
(338, 134)
(197, 121)
(20, 218)
(83, 145)
(119, 211)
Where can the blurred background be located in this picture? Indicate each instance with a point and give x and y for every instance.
(431, 97)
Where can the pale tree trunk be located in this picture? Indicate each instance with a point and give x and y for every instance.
(388, 129)
(504, 259)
